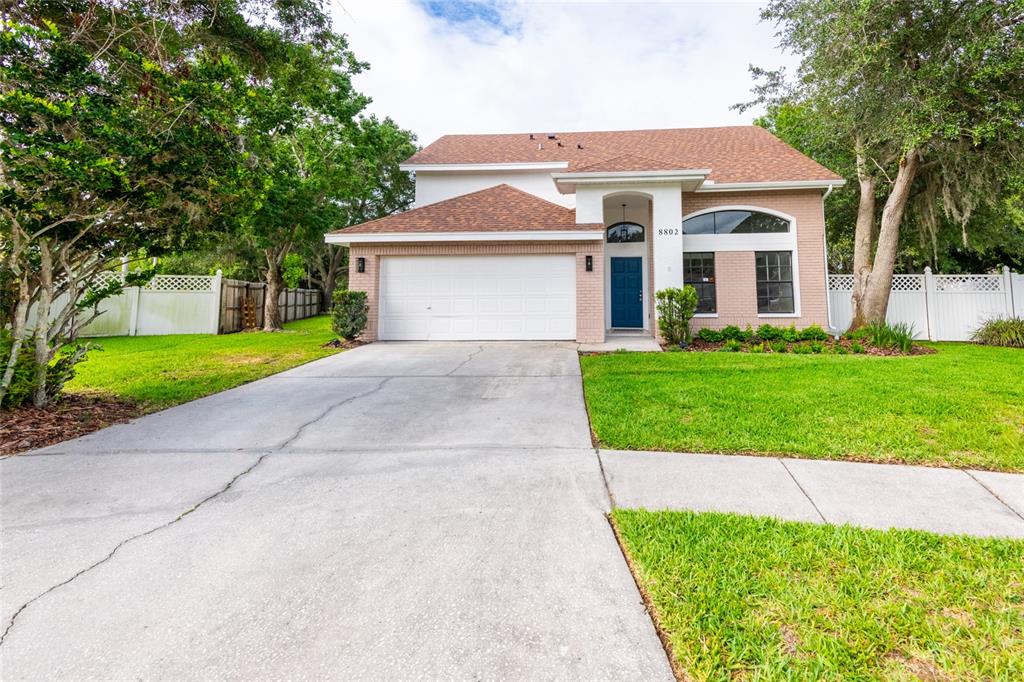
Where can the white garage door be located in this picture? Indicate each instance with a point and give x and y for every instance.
(477, 298)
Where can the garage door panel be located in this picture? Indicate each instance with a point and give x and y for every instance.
(478, 297)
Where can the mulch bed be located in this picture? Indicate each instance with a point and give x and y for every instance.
(347, 345)
(701, 346)
(27, 428)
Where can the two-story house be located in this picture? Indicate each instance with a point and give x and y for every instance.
(568, 235)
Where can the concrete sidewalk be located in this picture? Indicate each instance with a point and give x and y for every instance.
(982, 503)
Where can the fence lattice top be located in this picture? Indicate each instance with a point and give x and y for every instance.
(943, 283)
(969, 283)
(181, 283)
(908, 282)
(840, 282)
(198, 283)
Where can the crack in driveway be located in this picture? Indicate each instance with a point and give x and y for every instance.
(478, 351)
(124, 542)
(218, 493)
(298, 432)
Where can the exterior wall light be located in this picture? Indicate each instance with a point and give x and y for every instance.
(360, 264)
(590, 263)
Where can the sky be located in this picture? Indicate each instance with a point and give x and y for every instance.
(510, 66)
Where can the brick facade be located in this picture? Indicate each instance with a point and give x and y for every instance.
(735, 279)
(589, 285)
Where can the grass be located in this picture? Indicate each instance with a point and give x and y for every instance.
(754, 598)
(160, 371)
(961, 406)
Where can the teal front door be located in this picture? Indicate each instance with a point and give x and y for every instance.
(627, 292)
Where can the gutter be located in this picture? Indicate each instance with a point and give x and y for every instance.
(824, 243)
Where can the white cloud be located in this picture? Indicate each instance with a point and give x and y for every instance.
(565, 66)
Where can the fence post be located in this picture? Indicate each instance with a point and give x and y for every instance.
(1017, 284)
(134, 294)
(929, 302)
(215, 296)
(1008, 290)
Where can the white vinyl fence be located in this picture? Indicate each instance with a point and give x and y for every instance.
(176, 304)
(940, 307)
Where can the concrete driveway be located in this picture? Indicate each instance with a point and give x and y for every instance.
(397, 511)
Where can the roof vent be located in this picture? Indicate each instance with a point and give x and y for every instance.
(540, 145)
(560, 144)
(531, 136)
(552, 136)
(579, 146)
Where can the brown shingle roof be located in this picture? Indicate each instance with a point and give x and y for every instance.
(496, 209)
(734, 154)
(627, 162)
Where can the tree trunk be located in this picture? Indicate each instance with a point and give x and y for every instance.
(18, 329)
(862, 239)
(271, 311)
(39, 397)
(875, 300)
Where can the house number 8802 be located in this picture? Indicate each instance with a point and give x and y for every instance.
(669, 231)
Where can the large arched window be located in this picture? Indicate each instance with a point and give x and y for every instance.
(621, 233)
(735, 222)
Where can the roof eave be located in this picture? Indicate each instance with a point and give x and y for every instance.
(712, 186)
(583, 233)
(524, 167)
(567, 182)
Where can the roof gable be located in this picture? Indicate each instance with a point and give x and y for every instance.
(501, 208)
(734, 154)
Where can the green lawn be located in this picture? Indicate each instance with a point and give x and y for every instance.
(754, 598)
(962, 406)
(161, 371)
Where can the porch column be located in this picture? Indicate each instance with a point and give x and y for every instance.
(667, 233)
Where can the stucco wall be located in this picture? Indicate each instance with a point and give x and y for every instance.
(735, 279)
(589, 285)
(432, 187)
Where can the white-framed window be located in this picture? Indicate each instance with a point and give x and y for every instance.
(699, 272)
(775, 289)
(735, 221)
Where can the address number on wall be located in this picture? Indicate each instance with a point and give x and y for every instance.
(668, 230)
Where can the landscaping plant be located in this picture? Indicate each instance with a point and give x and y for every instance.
(899, 335)
(675, 310)
(349, 313)
(710, 335)
(1001, 331)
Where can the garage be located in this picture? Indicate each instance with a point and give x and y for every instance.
(477, 298)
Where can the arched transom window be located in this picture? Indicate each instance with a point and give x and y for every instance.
(621, 233)
(735, 222)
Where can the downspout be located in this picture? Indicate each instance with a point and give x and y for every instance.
(824, 242)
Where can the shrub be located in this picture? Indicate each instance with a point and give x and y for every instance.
(857, 348)
(767, 332)
(710, 335)
(790, 334)
(817, 346)
(839, 349)
(813, 333)
(1001, 331)
(802, 349)
(349, 313)
(23, 385)
(779, 346)
(732, 346)
(756, 348)
(881, 335)
(23, 382)
(732, 333)
(675, 310)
